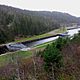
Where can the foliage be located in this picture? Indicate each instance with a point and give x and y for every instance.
(4, 59)
(52, 57)
(76, 38)
(17, 23)
(61, 41)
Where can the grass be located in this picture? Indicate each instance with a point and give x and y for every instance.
(43, 45)
(54, 32)
(33, 37)
(61, 30)
(4, 59)
(7, 58)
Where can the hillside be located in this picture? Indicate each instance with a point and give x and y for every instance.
(54, 15)
(18, 23)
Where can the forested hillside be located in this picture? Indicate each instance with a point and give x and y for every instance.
(15, 22)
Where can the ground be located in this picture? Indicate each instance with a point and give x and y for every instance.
(51, 33)
(8, 61)
(69, 71)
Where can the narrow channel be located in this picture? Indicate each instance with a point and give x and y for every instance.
(38, 42)
(32, 44)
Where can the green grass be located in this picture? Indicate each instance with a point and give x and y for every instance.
(54, 32)
(43, 45)
(7, 58)
(4, 59)
(33, 37)
(61, 30)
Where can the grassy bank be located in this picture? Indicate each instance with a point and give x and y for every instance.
(51, 33)
(69, 67)
(8, 57)
(4, 59)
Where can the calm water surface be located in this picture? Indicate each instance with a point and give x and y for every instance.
(70, 32)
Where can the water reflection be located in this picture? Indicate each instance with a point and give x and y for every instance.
(70, 32)
(41, 41)
(73, 31)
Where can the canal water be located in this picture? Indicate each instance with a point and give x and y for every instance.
(73, 31)
(32, 44)
(35, 43)
(70, 32)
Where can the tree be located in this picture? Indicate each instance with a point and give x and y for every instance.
(61, 41)
(52, 58)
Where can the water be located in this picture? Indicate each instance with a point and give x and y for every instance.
(41, 41)
(73, 31)
(70, 32)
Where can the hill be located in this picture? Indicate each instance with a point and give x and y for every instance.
(15, 23)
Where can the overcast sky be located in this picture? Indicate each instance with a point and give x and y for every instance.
(69, 6)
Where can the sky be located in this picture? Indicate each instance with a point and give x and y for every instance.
(69, 6)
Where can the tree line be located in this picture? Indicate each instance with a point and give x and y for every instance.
(16, 23)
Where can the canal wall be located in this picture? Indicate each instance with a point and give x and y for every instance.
(3, 49)
(70, 28)
(25, 42)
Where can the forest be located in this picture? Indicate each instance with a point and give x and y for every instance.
(18, 23)
(55, 60)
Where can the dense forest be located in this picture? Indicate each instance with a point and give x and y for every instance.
(16, 22)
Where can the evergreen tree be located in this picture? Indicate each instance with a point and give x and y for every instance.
(52, 58)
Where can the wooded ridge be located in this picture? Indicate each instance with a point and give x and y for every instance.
(17, 23)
